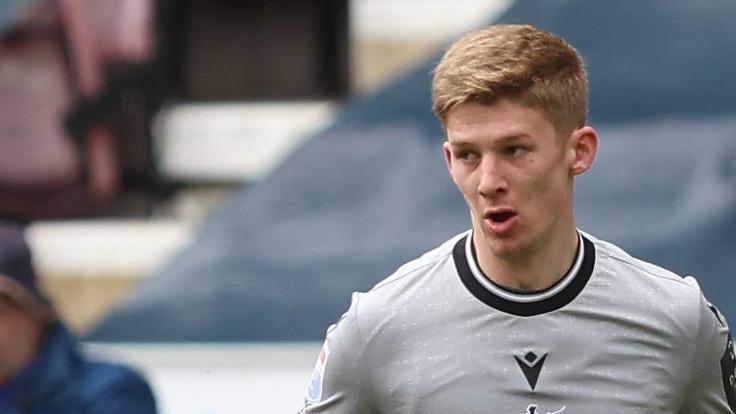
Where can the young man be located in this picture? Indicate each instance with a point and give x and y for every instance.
(41, 370)
(523, 313)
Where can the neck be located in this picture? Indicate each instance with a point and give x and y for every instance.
(537, 268)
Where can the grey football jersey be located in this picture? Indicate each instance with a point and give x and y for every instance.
(615, 335)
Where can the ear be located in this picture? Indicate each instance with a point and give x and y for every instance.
(447, 149)
(583, 147)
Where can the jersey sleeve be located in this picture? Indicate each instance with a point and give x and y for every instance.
(712, 388)
(339, 381)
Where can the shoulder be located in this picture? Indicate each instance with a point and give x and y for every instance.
(107, 375)
(418, 267)
(346, 361)
(114, 388)
(613, 259)
(85, 385)
(674, 310)
(434, 266)
(647, 288)
(368, 309)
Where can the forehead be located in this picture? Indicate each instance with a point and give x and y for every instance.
(502, 119)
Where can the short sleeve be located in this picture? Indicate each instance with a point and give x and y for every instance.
(712, 388)
(339, 381)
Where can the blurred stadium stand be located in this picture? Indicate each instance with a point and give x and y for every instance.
(190, 121)
(108, 67)
(279, 259)
(78, 88)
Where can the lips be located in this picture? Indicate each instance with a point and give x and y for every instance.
(501, 217)
(500, 220)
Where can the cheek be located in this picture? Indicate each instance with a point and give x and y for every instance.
(546, 188)
(468, 192)
(465, 182)
(9, 335)
(15, 336)
(468, 187)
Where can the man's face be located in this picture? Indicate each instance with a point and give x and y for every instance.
(515, 173)
(19, 336)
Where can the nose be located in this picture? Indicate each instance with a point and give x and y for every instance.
(492, 181)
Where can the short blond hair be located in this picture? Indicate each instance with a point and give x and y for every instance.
(521, 62)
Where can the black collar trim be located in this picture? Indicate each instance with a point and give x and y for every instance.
(530, 303)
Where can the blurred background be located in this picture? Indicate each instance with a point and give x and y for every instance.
(206, 182)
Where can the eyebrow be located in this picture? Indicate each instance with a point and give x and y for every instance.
(462, 143)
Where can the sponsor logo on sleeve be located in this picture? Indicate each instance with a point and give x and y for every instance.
(314, 393)
(728, 368)
(717, 314)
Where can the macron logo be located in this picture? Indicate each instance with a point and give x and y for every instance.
(531, 366)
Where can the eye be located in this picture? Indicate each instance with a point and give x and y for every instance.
(514, 150)
(466, 155)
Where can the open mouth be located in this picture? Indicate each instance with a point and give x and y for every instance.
(501, 216)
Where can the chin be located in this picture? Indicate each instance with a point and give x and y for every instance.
(505, 249)
(509, 245)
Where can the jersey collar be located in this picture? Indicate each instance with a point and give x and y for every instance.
(524, 303)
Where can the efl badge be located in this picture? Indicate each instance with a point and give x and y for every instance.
(314, 393)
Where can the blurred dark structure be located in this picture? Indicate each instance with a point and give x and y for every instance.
(256, 50)
(278, 262)
(81, 82)
(78, 91)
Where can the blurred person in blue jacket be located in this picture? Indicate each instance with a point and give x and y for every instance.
(41, 369)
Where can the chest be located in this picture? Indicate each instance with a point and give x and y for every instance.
(547, 365)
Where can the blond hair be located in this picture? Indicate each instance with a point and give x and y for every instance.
(521, 62)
